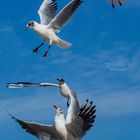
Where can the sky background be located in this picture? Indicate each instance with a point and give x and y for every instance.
(103, 65)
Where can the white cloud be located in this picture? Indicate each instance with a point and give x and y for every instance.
(118, 104)
(39, 106)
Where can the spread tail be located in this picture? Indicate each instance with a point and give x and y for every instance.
(63, 44)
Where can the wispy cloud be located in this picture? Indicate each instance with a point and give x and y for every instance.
(118, 104)
(39, 106)
(114, 59)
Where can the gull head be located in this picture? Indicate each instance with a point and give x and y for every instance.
(61, 81)
(30, 24)
(59, 111)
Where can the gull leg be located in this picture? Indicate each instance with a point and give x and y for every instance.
(46, 53)
(36, 49)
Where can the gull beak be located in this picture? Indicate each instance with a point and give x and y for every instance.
(58, 79)
(26, 28)
(55, 106)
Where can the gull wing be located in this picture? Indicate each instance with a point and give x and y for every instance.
(64, 15)
(21, 84)
(47, 11)
(73, 107)
(83, 122)
(29, 84)
(49, 84)
(44, 132)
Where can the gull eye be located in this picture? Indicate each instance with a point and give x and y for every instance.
(60, 110)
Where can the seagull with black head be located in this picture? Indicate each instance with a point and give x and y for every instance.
(51, 24)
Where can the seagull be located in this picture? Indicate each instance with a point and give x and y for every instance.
(50, 23)
(62, 85)
(120, 2)
(61, 130)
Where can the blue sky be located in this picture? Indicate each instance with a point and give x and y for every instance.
(103, 64)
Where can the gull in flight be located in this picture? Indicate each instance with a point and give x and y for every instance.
(62, 85)
(50, 23)
(120, 2)
(62, 130)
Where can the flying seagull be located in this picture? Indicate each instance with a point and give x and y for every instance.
(62, 85)
(61, 130)
(120, 2)
(50, 23)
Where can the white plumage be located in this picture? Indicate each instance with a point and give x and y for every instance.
(50, 23)
(62, 130)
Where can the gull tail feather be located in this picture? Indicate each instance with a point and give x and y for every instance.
(63, 44)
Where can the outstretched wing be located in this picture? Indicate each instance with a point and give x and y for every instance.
(47, 11)
(65, 14)
(29, 84)
(41, 131)
(73, 107)
(84, 120)
(21, 84)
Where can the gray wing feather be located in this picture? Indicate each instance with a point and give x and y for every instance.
(84, 120)
(21, 84)
(47, 11)
(39, 130)
(65, 14)
(29, 84)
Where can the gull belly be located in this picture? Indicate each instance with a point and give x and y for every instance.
(46, 33)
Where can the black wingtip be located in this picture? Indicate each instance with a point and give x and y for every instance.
(11, 115)
(7, 85)
(91, 102)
